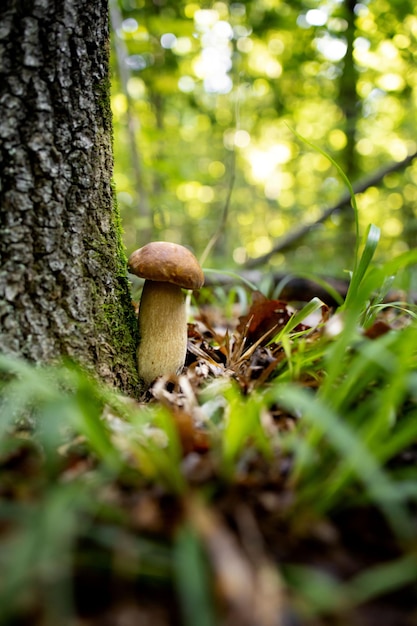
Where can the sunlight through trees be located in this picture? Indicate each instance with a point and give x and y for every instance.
(197, 86)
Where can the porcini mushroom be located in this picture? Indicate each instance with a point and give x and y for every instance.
(167, 269)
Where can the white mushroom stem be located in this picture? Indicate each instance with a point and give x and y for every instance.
(162, 330)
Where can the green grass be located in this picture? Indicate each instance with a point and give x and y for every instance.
(361, 415)
(73, 452)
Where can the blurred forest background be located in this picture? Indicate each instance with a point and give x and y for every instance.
(205, 99)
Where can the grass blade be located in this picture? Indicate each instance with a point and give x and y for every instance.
(353, 453)
(192, 579)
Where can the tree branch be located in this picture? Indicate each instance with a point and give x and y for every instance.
(302, 231)
(223, 220)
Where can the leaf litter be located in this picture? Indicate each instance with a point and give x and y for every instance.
(250, 540)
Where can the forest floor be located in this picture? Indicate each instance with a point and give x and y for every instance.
(224, 529)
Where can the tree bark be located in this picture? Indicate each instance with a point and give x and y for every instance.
(348, 99)
(349, 103)
(63, 283)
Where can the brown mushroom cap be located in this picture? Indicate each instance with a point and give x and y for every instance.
(163, 261)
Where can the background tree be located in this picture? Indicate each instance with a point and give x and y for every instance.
(63, 284)
(211, 80)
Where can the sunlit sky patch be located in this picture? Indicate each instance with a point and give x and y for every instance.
(264, 162)
(129, 25)
(316, 17)
(215, 61)
(136, 61)
(331, 48)
(168, 40)
(186, 84)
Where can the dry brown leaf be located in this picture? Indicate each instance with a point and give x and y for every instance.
(264, 318)
(251, 591)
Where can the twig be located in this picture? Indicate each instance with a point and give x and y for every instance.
(223, 220)
(360, 187)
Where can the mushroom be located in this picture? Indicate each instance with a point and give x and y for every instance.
(167, 269)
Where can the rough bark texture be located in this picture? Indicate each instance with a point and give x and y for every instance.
(63, 283)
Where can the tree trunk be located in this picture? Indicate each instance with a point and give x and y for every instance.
(348, 100)
(349, 103)
(63, 285)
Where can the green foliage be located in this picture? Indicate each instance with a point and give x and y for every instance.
(318, 592)
(357, 419)
(62, 412)
(193, 579)
(359, 416)
(360, 413)
(238, 432)
(340, 74)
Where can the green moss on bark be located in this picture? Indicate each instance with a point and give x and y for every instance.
(116, 317)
